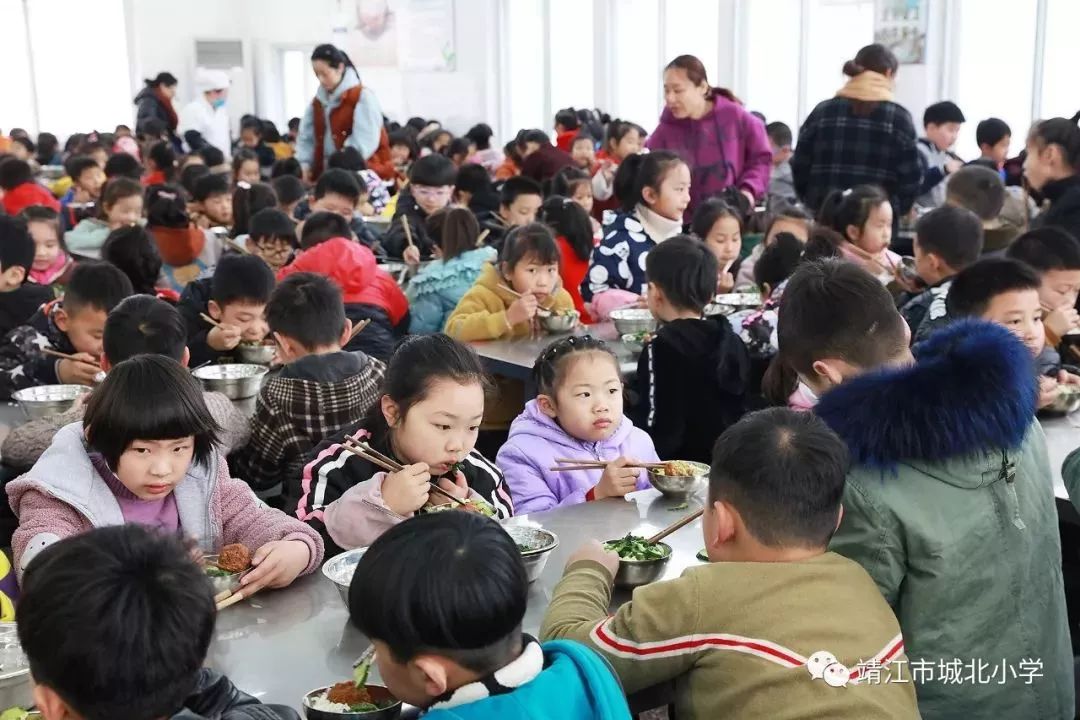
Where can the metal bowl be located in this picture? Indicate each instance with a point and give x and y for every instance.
(378, 693)
(230, 582)
(261, 354)
(1067, 401)
(45, 400)
(729, 303)
(678, 486)
(633, 342)
(560, 323)
(236, 382)
(633, 573)
(16, 688)
(633, 320)
(340, 568)
(540, 543)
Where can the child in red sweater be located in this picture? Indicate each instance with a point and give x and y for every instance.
(574, 237)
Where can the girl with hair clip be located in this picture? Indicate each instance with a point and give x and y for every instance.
(578, 411)
(573, 233)
(248, 199)
(654, 191)
(438, 288)
(343, 112)
(863, 217)
(427, 420)
(1052, 168)
(186, 250)
(621, 140)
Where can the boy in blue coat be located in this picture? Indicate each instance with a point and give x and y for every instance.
(456, 648)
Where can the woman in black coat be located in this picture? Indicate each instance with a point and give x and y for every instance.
(1052, 168)
(155, 108)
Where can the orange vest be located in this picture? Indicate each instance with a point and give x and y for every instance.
(341, 125)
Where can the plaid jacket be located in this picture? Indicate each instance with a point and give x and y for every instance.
(838, 150)
(312, 399)
(22, 362)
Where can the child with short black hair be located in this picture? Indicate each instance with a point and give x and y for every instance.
(349, 158)
(212, 198)
(235, 297)
(983, 192)
(133, 251)
(431, 187)
(322, 226)
(121, 205)
(579, 404)
(87, 178)
(340, 191)
(191, 173)
(583, 153)
(457, 658)
(920, 502)
(947, 240)
(18, 189)
(519, 201)
(19, 299)
(763, 609)
(147, 615)
(720, 226)
(187, 251)
(654, 190)
(52, 264)
(942, 123)
(1055, 255)
(272, 237)
(437, 288)
(140, 325)
(692, 376)
(369, 292)
(73, 325)
(427, 420)
(307, 319)
(122, 164)
(290, 192)
(145, 454)
(993, 136)
(782, 181)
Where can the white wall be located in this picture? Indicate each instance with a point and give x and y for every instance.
(163, 33)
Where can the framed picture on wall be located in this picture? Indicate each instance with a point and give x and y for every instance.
(900, 25)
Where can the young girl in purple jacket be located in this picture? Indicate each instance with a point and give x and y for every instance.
(578, 413)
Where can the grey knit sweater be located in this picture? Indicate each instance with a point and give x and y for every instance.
(25, 444)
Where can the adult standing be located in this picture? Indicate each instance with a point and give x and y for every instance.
(205, 120)
(343, 113)
(1052, 168)
(155, 106)
(860, 137)
(724, 145)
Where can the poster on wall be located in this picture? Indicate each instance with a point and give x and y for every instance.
(900, 25)
(428, 35)
(368, 31)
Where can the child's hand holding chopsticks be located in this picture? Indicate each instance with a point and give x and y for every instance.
(275, 565)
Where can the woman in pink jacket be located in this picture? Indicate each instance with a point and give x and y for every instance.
(724, 145)
(145, 453)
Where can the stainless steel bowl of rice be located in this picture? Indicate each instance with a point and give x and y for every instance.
(236, 381)
(535, 545)
(318, 707)
(678, 478)
(340, 568)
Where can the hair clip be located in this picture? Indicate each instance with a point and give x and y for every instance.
(166, 195)
(243, 185)
(846, 193)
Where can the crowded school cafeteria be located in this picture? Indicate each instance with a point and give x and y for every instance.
(539, 360)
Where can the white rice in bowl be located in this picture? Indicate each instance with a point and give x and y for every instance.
(319, 702)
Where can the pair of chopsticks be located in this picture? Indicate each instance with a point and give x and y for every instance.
(357, 328)
(675, 526)
(482, 237)
(572, 464)
(540, 310)
(65, 356)
(362, 449)
(408, 231)
(227, 598)
(210, 320)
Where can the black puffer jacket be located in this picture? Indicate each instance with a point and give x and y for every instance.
(1064, 211)
(150, 108)
(216, 697)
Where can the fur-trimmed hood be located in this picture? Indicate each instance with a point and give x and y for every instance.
(972, 390)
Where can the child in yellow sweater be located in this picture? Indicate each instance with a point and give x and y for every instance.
(507, 296)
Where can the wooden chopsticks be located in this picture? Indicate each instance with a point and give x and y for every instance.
(675, 526)
(228, 598)
(572, 464)
(210, 320)
(375, 457)
(482, 237)
(408, 231)
(541, 310)
(65, 356)
(357, 328)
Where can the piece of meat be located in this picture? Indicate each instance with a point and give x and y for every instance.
(234, 558)
(347, 693)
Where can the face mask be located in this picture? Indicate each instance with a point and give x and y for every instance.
(218, 103)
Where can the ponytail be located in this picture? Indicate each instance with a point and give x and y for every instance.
(332, 55)
(873, 58)
(162, 78)
(1061, 132)
(640, 171)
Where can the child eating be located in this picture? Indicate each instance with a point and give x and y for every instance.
(19, 299)
(427, 420)
(1055, 256)
(577, 413)
(755, 632)
(459, 658)
(272, 237)
(213, 199)
(73, 325)
(719, 226)
(863, 216)
(121, 206)
(145, 454)
(506, 299)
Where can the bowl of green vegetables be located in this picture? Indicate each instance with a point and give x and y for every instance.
(222, 580)
(640, 562)
(535, 545)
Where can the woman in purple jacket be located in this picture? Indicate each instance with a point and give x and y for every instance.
(578, 414)
(724, 145)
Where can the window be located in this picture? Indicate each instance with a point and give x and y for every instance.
(92, 92)
(1061, 57)
(299, 83)
(18, 110)
(525, 82)
(571, 55)
(692, 27)
(638, 66)
(836, 30)
(771, 56)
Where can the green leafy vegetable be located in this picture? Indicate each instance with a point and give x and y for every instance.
(703, 555)
(678, 508)
(215, 571)
(363, 707)
(360, 672)
(633, 547)
(14, 713)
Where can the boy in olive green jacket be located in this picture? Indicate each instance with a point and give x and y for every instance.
(949, 504)
(774, 626)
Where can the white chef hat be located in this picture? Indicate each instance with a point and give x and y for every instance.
(207, 79)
